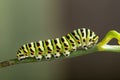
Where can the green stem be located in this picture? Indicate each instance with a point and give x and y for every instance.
(30, 60)
(101, 46)
(111, 48)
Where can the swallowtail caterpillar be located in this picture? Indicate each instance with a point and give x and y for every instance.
(82, 38)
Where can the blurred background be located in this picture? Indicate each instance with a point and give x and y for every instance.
(23, 21)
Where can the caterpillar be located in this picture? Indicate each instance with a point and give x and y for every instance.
(82, 38)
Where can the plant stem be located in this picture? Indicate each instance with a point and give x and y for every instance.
(30, 60)
(101, 46)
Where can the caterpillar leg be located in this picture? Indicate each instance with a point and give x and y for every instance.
(21, 57)
(85, 47)
(48, 56)
(67, 53)
(39, 57)
(56, 55)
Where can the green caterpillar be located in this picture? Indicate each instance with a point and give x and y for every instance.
(78, 39)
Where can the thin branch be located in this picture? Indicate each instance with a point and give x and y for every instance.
(30, 60)
(111, 48)
(101, 46)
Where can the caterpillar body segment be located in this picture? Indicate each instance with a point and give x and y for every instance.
(57, 47)
(78, 39)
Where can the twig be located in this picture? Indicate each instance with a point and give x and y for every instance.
(30, 60)
(102, 46)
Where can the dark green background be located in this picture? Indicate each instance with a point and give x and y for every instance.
(23, 21)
